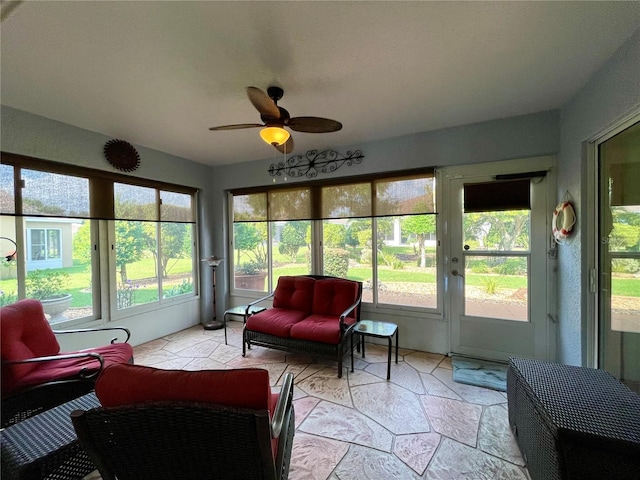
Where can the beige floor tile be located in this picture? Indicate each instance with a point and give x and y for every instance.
(420, 424)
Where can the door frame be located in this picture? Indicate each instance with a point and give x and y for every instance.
(504, 167)
(592, 238)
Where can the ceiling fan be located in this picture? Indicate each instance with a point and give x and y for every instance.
(275, 118)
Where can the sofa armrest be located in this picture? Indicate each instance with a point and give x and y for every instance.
(266, 297)
(97, 329)
(67, 356)
(351, 308)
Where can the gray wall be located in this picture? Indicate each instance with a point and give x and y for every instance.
(610, 94)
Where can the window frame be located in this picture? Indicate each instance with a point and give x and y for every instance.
(315, 188)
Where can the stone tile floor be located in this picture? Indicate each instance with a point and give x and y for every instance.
(419, 424)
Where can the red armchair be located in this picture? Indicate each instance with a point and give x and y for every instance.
(176, 424)
(36, 376)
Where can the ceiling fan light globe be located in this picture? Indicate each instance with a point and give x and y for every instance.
(274, 135)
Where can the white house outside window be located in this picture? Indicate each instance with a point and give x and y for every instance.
(44, 244)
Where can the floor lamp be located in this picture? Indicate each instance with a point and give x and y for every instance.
(214, 324)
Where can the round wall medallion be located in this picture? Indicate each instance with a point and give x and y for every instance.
(122, 155)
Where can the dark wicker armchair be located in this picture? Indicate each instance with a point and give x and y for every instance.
(172, 424)
(36, 376)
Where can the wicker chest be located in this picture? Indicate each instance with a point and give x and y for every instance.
(573, 422)
(45, 446)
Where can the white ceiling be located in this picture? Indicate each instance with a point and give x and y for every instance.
(159, 74)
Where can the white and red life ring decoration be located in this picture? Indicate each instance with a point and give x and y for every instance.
(564, 218)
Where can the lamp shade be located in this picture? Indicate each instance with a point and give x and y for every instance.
(274, 135)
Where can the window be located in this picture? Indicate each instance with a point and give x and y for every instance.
(43, 244)
(153, 245)
(56, 268)
(61, 213)
(381, 232)
(497, 239)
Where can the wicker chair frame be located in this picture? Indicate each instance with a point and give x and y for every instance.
(189, 441)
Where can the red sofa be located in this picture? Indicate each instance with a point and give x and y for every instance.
(311, 314)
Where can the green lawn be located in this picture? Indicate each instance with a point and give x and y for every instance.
(80, 279)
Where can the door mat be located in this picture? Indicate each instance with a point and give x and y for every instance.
(481, 373)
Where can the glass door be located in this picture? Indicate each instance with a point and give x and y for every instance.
(498, 267)
(619, 256)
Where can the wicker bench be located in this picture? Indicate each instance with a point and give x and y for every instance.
(46, 446)
(573, 422)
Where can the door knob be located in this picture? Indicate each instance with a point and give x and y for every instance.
(456, 273)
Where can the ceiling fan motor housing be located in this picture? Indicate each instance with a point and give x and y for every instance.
(277, 122)
(275, 93)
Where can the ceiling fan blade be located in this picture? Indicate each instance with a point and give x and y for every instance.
(237, 126)
(286, 147)
(263, 103)
(313, 124)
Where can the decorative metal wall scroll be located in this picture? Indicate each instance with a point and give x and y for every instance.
(314, 162)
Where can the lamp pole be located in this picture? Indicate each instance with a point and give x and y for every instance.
(214, 324)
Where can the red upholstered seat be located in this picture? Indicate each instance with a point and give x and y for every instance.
(313, 314)
(333, 296)
(128, 385)
(61, 369)
(137, 384)
(176, 424)
(36, 376)
(275, 321)
(294, 293)
(292, 301)
(319, 328)
(26, 333)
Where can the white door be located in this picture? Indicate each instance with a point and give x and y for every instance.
(500, 259)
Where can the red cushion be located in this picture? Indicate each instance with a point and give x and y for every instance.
(240, 388)
(333, 296)
(116, 353)
(319, 328)
(134, 384)
(275, 321)
(294, 293)
(26, 333)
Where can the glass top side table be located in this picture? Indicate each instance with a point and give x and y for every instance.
(373, 328)
(240, 311)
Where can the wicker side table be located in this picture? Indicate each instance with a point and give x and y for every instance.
(573, 422)
(45, 445)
